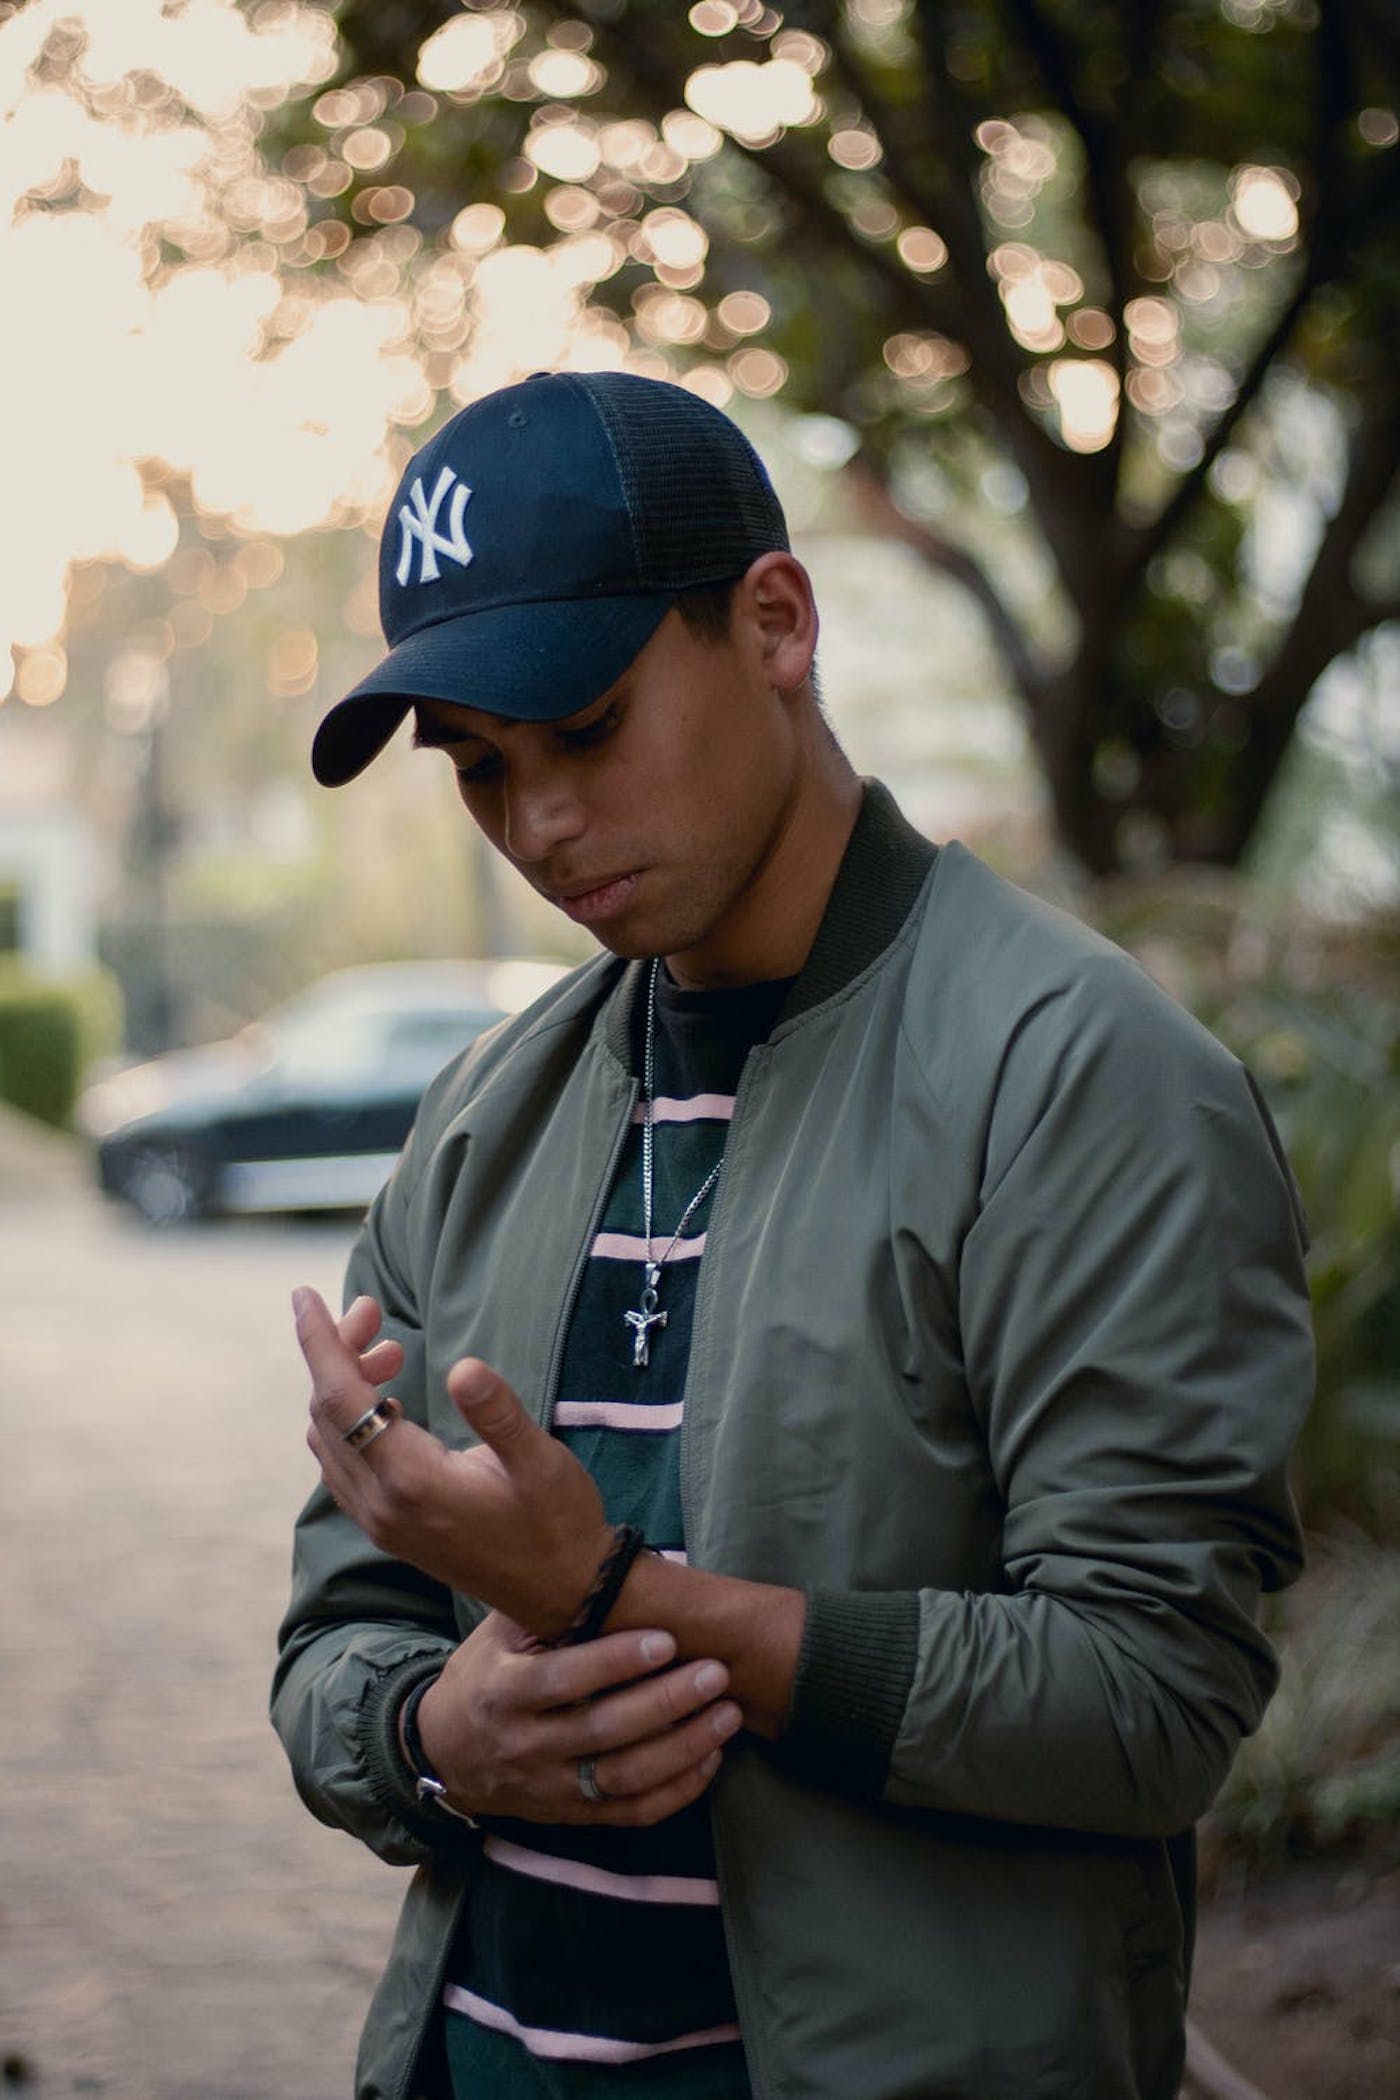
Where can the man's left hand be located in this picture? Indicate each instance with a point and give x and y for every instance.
(515, 1522)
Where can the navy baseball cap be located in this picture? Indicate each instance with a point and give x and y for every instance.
(536, 543)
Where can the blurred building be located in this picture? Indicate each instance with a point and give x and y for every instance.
(48, 860)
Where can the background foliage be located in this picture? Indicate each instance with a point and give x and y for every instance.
(50, 1030)
(1313, 1009)
(1097, 302)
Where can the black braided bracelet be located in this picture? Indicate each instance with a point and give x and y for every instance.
(616, 1566)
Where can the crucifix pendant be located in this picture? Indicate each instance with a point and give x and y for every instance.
(645, 1318)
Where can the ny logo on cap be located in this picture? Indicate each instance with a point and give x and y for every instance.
(420, 522)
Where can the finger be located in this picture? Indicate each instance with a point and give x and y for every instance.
(338, 1393)
(381, 1363)
(642, 1767)
(334, 1456)
(336, 1462)
(642, 1811)
(562, 1677)
(643, 1710)
(359, 1323)
(490, 1407)
(322, 1343)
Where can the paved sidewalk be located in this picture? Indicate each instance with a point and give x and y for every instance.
(173, 1925)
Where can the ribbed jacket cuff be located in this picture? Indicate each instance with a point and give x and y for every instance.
(854, 1674)
(391, 1781)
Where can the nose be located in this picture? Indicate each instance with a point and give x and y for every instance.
(541, 813)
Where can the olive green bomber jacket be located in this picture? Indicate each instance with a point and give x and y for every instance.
(1000, 1345)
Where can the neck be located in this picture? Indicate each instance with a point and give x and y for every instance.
(771, 932)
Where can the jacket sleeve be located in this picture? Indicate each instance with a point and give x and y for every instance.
(1137, 1343)
(362, 1629)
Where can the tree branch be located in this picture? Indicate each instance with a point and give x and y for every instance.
(1331, 615)
(873, 494)
(1059, 482)
(975, 318)
(1324, 239)
(928, 203)
(1382, 21)
(663, 86)
(1106, 187)
(1155, 536)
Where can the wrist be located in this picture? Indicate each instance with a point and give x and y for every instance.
(753, 1628)
(429, 1788)
(620, 1547)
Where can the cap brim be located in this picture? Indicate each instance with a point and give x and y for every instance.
(530, 663)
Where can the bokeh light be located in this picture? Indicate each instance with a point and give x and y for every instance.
(753, 102)
(130, 132)
(921, 250)
(1379, 127)
(1264, 203)
(170, 352)
(1086, 394)
(468, 52)
(744, 313)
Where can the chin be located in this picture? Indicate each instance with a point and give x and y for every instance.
(627, 948)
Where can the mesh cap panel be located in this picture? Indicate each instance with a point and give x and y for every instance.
(702, 505)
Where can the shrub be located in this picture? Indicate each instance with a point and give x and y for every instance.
(1313, 1009)
(1325, 1766)
(50, 1029)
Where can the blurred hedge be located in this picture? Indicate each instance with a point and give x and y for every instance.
(50, 1030)
(1313, 1008)
(1324, 1769)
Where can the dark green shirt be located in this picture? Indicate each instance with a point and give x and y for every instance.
(592, 1961)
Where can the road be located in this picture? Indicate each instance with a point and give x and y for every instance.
(173, 1925)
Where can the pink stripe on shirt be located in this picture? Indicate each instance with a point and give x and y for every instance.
(617, 1414)
(630, 1246)
(597, 1881)
(576, 2048)
(696, 1108)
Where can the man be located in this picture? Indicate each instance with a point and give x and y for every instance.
(919, 1281)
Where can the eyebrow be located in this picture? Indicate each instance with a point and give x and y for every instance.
(428, 736)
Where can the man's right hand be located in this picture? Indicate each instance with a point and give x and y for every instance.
(505, 1725)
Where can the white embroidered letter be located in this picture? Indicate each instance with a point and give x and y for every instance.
(421, 523)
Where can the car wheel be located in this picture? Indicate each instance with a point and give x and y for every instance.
(167, 1184)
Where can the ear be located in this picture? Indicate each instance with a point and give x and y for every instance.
(775, 599)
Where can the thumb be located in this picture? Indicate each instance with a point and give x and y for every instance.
(489, 1406)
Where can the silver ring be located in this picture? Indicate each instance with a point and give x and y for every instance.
(588, 1786)
(372, 1423)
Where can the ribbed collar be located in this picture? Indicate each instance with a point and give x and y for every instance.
(882, 872)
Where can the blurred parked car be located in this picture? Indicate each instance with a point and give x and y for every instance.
(305, 1109)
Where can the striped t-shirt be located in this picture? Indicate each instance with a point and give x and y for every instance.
(592, 1962)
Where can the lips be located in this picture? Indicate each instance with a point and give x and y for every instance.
(600, 901)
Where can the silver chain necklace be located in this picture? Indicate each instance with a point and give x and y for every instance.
(646, 1316)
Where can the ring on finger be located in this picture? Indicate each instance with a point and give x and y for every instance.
(372, 1423)
(587, 1769)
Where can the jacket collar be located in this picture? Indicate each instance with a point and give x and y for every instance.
(881, 875)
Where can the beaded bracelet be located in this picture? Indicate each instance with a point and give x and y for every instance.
(592, 1615)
